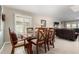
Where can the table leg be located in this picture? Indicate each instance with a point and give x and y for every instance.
(30, 48)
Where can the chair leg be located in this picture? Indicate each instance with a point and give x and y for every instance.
(48, 46)
(53, 45)
(37, 48)
(26, 47)
(45, 47)
(13, 49)
(28, 51)
(50, 43)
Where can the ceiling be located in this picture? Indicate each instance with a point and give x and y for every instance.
(56, 11)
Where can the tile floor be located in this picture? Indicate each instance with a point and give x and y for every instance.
(62, 46)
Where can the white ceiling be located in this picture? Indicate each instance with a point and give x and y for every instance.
(56, 11)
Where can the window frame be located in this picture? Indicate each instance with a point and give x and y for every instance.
(22, 16)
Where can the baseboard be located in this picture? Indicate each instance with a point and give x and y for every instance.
(4, 45)
(7, 42)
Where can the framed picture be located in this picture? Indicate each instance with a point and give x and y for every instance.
(43, 23)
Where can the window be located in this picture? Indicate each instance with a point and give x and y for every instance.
(71, 25)
(74, 25)
(68, 25)
(21, 24)
(78, 25)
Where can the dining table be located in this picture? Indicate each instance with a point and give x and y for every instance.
(29, 38)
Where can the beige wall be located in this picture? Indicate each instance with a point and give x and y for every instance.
(9, 20)
(49, 21)
(1, 28)
(37, 21)
(1, 38)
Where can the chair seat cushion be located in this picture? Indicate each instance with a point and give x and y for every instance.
(21, 42)
(35, 41)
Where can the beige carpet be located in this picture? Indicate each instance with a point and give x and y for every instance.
(62, 46)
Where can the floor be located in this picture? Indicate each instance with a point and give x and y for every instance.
(62, 46)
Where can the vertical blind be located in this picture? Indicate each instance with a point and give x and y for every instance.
(21, 24)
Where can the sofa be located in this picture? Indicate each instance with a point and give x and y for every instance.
(67, 34)
(76, 30)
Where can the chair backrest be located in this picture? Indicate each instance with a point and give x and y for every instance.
(51, 33)
(30, 31)
(13, 37)
(41, 34)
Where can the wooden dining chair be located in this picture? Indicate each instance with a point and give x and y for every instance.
(30, 31)
(41, 39)
(16, 42)
(50, 37)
